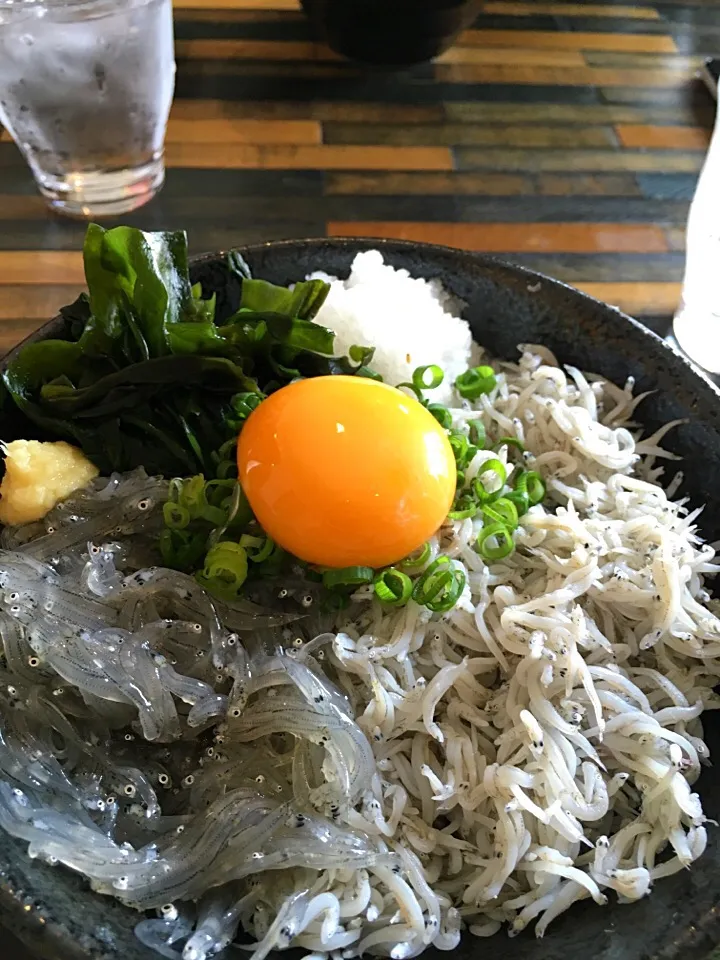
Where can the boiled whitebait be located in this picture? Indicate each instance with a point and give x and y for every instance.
(377, 780)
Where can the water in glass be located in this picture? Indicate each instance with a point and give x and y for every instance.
(85, 92)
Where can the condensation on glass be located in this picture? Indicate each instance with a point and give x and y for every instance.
(85, 92)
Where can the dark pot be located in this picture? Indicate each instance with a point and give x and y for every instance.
(395, 33)
(55, 912)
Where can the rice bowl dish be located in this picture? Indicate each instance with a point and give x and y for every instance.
(340, 767)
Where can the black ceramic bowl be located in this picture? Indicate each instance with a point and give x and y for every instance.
(56, 914)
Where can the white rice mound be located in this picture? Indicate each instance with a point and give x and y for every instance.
(410, 322)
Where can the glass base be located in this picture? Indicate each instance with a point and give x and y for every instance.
(103, 193)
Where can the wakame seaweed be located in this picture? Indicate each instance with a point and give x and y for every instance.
(150, 367)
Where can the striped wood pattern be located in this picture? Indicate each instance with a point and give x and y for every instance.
(566, 136)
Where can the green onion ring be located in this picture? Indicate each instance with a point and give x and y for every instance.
(451, 597)
(420, 379)
(475, 382)
(521, 482)
(520, 499)
(243, 404)
(393, 587)
(347, 577)
(509, 442)
(502, 511)
(463, 508)
(181, 550)
(175, 515)
(503, 546)
(441, 414)
(462, 448)
(433, 588)
(482, 494)
(257, 548)
(535, 487)
(225, 570)
(433, 581)
(415, 562)
(411, 386)
(477, 433)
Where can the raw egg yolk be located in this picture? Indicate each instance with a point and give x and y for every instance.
(346, 471)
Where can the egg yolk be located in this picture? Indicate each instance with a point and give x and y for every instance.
(344, 471)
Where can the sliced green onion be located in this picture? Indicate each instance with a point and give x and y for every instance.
(532, 484)
(347, 577)
(494, 542)
(482, 493)
(415, 561)
(477, 433)
(460, 445)
(413, 389)
(257, 548)
(434, 589)
(427, 378)
(219, 498)
(463, 508)
(176, 516)
(225, 570)
(475, 382)
(191, 495)
(271, 565)
(441, 414)
(520, 499)
(451, 596)
(226, 459)
(509, 442)
(369, 373)
(502, 511)
(424, 588)
(393, 587)
(462, 448)
(182, 550)
(218, 492)
(535, 487)
(227, 470)
(440, 586)
(460, 480)
(243, 404)
(228, 450)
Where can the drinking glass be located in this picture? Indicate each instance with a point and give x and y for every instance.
(85, 92)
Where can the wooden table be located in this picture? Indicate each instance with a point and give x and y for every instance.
(566, 136)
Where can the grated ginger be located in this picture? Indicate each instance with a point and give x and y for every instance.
(39, 475)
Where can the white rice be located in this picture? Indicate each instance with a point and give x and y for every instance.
(410, 322)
